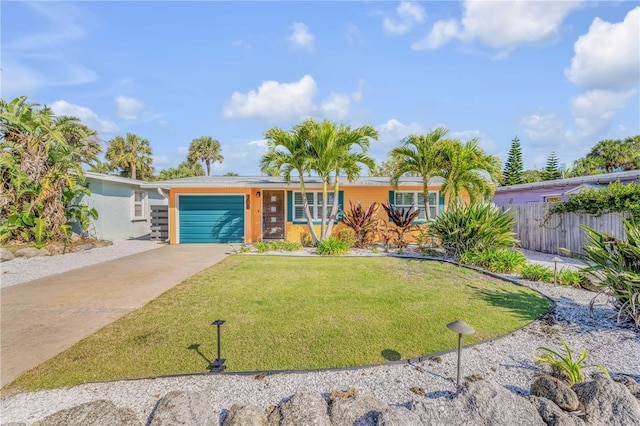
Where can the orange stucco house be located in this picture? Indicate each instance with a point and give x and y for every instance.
(232, 209)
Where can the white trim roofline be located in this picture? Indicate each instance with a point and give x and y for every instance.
(112, 178)
(558, 183)
(278, 182)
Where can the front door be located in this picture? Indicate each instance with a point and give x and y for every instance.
(272, 215)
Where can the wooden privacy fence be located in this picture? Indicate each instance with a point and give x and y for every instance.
(159, 222)
(560, 230)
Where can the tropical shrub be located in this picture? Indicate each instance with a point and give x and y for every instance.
(285, 245)
(569, 277)
(616, 198)
(362, 221)
(347, 236)
(426, 240)
(332, 247)
(617, 264)
(386, 233)
(306, 239)
(476, 226)
(535, 272)
(262, 246)
(501, 261)
(565, 366)
(402, 219)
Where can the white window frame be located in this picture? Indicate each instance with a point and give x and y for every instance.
(315, 205)
(142, 203)
(422, 217)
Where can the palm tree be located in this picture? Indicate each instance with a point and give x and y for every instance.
(130, 154)
(41, 157)
(466, 166)
(419, 154)
(335, 151)
(287, 153)
(205, 149)
(184, 169)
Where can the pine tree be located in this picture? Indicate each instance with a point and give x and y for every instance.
(551, 171)
(513, 169)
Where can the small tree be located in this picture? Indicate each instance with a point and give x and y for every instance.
(551, 171)
(205, 149)
(513, 169)
(363, 222)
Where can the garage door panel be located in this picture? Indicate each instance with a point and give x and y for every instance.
(211, 219)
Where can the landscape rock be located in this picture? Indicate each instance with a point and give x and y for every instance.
(480, 403)
(632, 385)
(185, 408)
(554, 415)
(74, 237)
(28, 252)
(304, 408)
(555, 390)
(248, 415)
(100, 412)
(5, 255)
(56, 249)
(83, 247)
(398, 416)
(608, 403)
(361, 410)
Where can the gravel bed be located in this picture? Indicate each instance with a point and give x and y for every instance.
(20, 270)
(507, 360)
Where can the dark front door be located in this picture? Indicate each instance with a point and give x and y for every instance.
(272, 215)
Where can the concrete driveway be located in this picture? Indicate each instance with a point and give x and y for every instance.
(41, 318)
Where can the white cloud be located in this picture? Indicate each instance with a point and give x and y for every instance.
(502, 25)
(441, 33)
(129, 108)
(161, 160)
(274, 100)
(353, 35)
(607, 56)
(301, 38)
(595, 110)
(241, 43)
(409, 14)
(543, 128)
(85, 115)
(282, 101)
(262, 143)
(182, 150)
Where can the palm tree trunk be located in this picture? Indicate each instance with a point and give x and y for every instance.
(307, 212)
(425, 194)
(323, 223)
(208, 167)
(334, 208)
(133, 170)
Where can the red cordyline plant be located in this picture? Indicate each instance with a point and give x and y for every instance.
(362, 221)
(402, 219)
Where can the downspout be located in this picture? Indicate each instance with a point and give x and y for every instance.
(166, 197)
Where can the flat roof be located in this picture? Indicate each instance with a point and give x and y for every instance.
(277, 181)
(592, 179)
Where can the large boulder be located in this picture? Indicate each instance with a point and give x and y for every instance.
(185, 408)
(632, 385)
(100, 412)
(480, 403)
(608, 403)
(360, 410)
(5, 255)
(398, 416)
(29, 252)
(248, 415)
(554, 415)
(555, 390)
(304, 408)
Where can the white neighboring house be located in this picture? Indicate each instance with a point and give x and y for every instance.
(123, 207)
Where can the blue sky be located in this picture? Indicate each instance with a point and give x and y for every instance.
(560, 75)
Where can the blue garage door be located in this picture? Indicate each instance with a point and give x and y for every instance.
(211, 219)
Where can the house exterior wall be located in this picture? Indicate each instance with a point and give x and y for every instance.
(531, 195)
(114, 203)
(366, 195)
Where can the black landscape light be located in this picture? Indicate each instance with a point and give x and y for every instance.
(461, 328)
(218, 365)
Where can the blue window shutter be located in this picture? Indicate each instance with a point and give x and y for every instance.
(441, 204)
(340, 204)
(392, 200)
(290, 206)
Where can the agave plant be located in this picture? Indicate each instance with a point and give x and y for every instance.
(617, 264)
(362, 221)
(402, 219)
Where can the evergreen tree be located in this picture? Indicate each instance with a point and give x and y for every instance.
(513, 169)
(551, 171)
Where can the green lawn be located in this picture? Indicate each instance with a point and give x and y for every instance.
(295, 313)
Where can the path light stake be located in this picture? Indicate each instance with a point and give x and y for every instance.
(218, 365)
(555, 261)
(461, 328)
